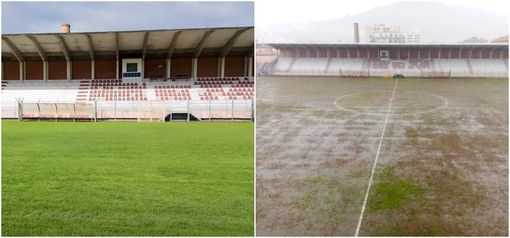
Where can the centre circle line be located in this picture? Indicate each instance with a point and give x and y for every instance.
(443, 106)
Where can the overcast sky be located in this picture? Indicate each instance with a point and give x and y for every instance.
(270, 12)
(46, 17)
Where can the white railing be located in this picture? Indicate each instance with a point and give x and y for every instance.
(210, 110)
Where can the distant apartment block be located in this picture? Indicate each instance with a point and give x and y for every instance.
(390, 34)
(415, 38)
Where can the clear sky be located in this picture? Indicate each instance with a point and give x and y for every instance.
(270, 12)
(46, 17)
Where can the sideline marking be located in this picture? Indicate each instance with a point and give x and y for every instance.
(375, 161)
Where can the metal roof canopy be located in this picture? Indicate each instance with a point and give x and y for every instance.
(151, 43)
(388, 46)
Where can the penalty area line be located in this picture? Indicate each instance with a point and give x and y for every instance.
(375, 162)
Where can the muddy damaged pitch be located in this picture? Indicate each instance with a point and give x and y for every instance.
(441, 170)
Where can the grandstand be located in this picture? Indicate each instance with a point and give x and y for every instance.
(383, 60)
(144, 75)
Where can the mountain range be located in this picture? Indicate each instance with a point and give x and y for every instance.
(439, 23)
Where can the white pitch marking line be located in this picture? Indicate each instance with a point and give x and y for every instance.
(375, 161)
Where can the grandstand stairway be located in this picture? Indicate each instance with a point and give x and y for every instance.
(470, 66)
(506, 62)
(291, 65)
(4, 83)
(83, 91)
(365, 65)
(328, 64)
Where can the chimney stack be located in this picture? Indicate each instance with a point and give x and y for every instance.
(356, 33)
(65, 28)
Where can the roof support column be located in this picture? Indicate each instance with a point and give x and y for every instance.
(69, 72)
(194, 67)
(245, 70)
(92, 69)
(398, 53)
(501, 54)
(221, 67)
(143, 68)
(168, 67)
(460, 53)
(491, 53)
(45, 71)
(22, 71)
(450, 53)
(117, 67)
(250, 66)
(65, 51)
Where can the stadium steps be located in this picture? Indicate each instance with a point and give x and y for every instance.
(328, 64)
(83, 91)
(291, 65)
(470, 66)
(506, 62)
(364, 65)
(4, 83)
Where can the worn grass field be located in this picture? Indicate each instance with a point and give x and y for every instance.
(442, 168)
(127, 179)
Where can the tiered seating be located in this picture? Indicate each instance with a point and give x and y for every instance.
(115, 90)
(309, 65)
(232, 88)
(35, 91)
(165, 93)
(398, 64)
(377, 64)
(419, 64)
(345, 65)
(213, 82)
(458, 67)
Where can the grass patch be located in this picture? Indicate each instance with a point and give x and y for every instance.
(391, 192)
(127, 179)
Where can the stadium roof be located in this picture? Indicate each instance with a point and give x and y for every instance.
(152, 43)
(379, 45)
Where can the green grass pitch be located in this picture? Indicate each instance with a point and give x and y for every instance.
(127, 179)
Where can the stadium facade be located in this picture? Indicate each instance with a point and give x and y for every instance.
(380, 60)
(175, 68)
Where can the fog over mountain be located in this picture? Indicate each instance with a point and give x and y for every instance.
(438, 22)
